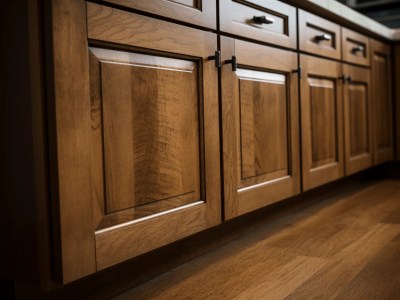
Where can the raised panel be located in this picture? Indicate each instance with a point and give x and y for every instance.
(321, 121)
(260, 127)
(358, 119)
(151, 134)
(263, 120)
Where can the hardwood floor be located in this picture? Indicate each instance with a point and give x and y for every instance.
(345, 247)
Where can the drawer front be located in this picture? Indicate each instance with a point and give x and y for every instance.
(355, 47)
(198, 12)
(271, 21)
(319, 36)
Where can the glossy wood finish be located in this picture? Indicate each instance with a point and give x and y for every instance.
(396, 83)
(260, 126)
(351, 41)
(382, 102)
(321, 121)
(344, 247)
(198, 12)
(312, 28)
(357, 120)
(158, 111)
(236, 17)
(73, 234)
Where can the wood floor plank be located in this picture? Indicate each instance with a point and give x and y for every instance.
(347, 247)
(379, 279)
(344, 221)
(346, 264)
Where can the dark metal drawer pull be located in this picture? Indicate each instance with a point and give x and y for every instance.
(357, 49)
(263, 20)
(323, 37)
(232, 61)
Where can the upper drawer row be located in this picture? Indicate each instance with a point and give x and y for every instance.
(270, 21)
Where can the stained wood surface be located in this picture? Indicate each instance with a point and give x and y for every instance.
(237, 18)
(352, 40)
(199, 12)
(397, 99)
(382, 102)
(345, 247)
(311, 27)
(155, 133)
(322, 121)
(260, 126)
(71, 184)
(357, 119)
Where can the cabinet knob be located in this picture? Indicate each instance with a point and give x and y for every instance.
(323, 37)
(357, 49)
(263, 20)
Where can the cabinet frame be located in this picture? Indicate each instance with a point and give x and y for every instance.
(77, 247)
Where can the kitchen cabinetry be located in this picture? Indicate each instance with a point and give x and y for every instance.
(321, 121)
(357, 119)
(382, 102)
(141, 167)
(148, 103)
(259, 126)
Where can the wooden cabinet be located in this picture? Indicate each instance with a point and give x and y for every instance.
(137, 140)
(319, 36)
(321, 121)
(355, 47)
(259, 126)
(199, 12)
(270, 21)
(357, 119)
(382, 102)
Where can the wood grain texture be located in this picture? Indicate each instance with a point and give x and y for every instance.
(357, 120)
(155, 133)
(382, 102)
(237, 18)
(397, 99)
(198, 12)
(72, 184)
(340, 249)
(121, 27)
(352, 40)
(260, 129)
(321, 121)
(310, 27)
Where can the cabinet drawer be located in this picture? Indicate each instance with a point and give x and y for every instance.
(267, 21)
(319, 36)
(355, 47)
(198, 12)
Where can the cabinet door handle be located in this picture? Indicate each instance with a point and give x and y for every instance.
(349, 79)
(232, 61)
(323, 37)
(217, 58)
(263, 20)
(345, 79)
(357, 49)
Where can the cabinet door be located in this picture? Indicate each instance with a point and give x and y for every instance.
(260, 126)
(321, 121)
(357, 119)
(382, 102)
(149, 140)
(199, 12)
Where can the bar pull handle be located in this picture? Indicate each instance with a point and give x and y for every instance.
(263, 20)
(232, 61)
(217, 58)
(323, 37)
(357, 49)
